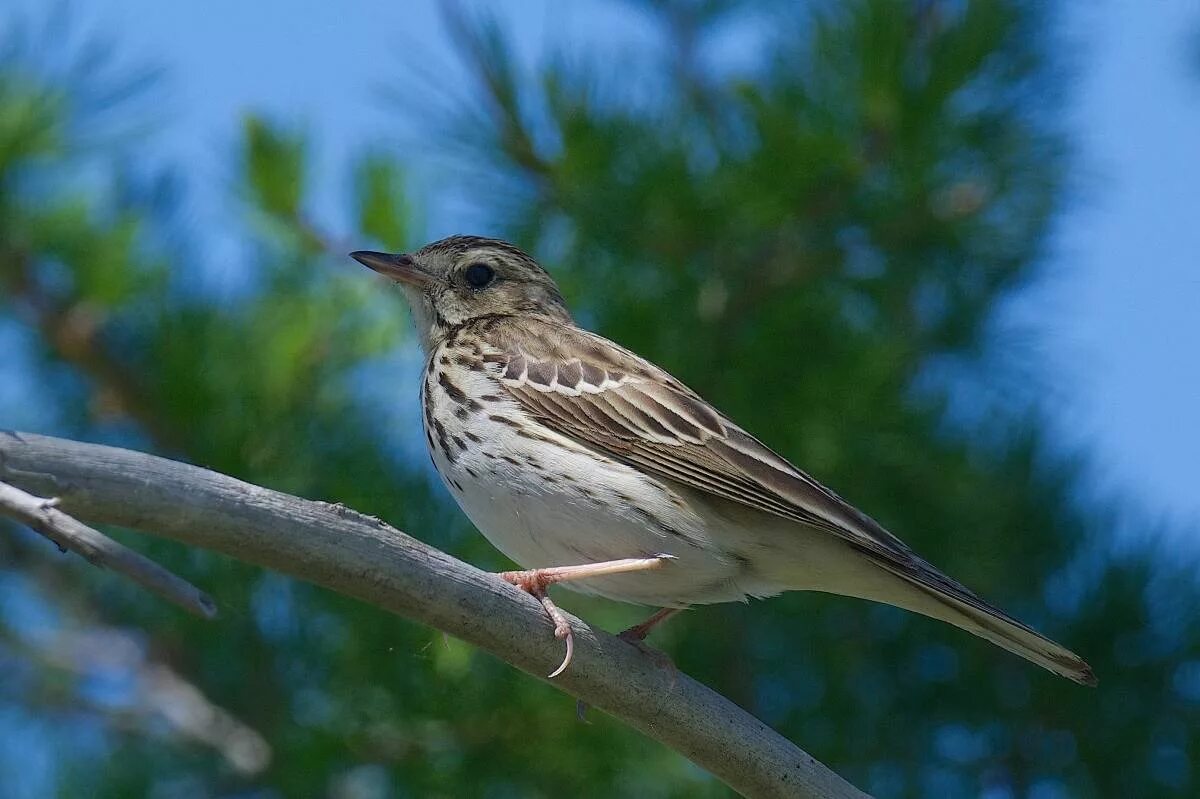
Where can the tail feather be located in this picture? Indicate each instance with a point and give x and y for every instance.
(943, 599)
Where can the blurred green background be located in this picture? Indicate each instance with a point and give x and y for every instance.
(822, 228)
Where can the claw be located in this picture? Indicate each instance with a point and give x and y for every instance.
(534, 582)
(569, 637)
(562, 630)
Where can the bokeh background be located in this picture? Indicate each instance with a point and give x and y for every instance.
(943, 254)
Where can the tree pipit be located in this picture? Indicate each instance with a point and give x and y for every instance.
(565, 448)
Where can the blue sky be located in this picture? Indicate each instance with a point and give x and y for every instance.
(1126, 313)
(1121, 317)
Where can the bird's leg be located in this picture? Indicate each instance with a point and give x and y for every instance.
(636, 635)
(560, 574)
(536, 581)
(638, 632)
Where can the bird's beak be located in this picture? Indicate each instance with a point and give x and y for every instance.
(402, 268)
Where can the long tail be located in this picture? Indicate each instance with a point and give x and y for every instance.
(931, 593)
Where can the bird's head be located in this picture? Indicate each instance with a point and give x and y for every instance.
(450, 282)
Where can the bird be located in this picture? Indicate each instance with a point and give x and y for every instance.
(590, 467)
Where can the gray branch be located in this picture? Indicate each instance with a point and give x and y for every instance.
(43, 516)
(363, 557)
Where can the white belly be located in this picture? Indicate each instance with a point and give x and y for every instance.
(544, 505)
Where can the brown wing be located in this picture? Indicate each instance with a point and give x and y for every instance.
(600, 394)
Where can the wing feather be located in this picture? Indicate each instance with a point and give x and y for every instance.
(663, 428)
(608, 398)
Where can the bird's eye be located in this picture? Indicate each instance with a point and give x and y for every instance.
(478, 275)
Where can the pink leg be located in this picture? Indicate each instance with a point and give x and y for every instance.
(536, 581)
(638, 632)
(636, 635)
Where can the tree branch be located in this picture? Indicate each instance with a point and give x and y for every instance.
(42, 516)
(363, 557)
(157, 699)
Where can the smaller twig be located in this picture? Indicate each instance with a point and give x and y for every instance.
(67, 533)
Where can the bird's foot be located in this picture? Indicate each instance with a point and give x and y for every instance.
(536, 581)
(636, 635)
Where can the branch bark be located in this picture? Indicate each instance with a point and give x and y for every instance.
(363, 557)
(43, 516)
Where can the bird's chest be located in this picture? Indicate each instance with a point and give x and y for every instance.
(489, 453)
(539, 497)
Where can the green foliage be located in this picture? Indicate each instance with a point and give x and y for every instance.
(819, 242)
(28, 120)
(383, 211)
(274, 168)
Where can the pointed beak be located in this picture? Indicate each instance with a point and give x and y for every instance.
(402, 268)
